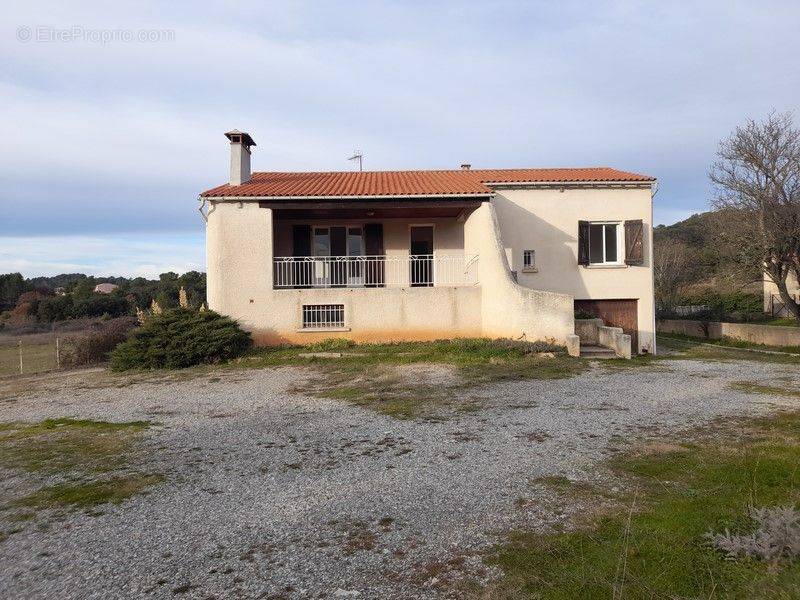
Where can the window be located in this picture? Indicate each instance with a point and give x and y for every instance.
(323, 316)
(322, 242)
(529, 260)
(604, 243)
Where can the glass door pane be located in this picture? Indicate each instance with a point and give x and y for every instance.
(322, 241)
(322, 248)
(355, 249)
(421, 250)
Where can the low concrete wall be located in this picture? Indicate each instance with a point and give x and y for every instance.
(616, 339)
(586, 329)
(371, 315)
(768, 335)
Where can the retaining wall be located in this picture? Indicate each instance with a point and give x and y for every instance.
(769, 335)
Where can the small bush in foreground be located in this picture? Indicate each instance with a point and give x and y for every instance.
(94, 346)
(776, 537)
(181, 338)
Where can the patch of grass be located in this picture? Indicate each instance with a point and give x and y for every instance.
(377, 376)
(681, 341)
(74, 463)
(788, 322)
(684, 347)
(91, 493)
(462, 353)
(752, 387)
(61, 445)
(654, 548)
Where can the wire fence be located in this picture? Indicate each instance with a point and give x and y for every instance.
(35, 353)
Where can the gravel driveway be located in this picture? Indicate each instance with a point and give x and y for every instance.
(273, 494)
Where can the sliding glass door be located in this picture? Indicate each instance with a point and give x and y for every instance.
(337, 248)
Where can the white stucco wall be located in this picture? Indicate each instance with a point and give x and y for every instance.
(771, 289)
(538, 307)
(546, 220)
(508, 309)
(239, 262)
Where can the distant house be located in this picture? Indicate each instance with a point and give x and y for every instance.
(423, 255)
(773, 303)
(60, 291)
(105, 288)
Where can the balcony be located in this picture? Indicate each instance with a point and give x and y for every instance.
(415, 270)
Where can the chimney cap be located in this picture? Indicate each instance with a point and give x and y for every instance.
(236, 136)
(466, 166)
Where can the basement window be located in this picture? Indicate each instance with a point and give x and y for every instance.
(323, 316)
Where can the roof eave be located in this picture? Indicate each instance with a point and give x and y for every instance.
(610, 183)
(350, 197)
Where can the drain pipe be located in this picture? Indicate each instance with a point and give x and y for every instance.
(202, 201)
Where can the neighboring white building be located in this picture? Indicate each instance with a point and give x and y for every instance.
(773, 303)
(414, 255)
(105, 288)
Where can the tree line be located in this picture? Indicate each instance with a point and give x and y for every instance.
(72, 296)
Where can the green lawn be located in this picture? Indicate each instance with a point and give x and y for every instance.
(653, 545)
(37, 356)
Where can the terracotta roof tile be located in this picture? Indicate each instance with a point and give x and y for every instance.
(409, 183)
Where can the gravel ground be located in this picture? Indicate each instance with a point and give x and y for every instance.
(278, 495)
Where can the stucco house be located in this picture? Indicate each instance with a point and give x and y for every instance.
(773, 304)
(105, 288)
(420, 255)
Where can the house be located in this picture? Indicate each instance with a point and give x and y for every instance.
(420, 255)
(105, 288)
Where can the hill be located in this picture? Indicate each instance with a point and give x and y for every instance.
(710, 268)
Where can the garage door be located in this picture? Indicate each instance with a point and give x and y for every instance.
(616, 313)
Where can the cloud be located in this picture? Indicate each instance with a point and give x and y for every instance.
(132, 255)
(122, 137)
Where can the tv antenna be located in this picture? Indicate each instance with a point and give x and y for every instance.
(359, 157)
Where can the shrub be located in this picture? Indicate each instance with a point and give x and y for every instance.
(722, 306)
(95, 346)
(777, 536)
(181, 338)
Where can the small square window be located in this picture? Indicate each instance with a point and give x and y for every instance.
(529, 260)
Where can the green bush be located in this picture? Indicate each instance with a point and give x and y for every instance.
(722, 305)
(181, 338)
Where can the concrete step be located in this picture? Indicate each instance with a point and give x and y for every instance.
(597, 352)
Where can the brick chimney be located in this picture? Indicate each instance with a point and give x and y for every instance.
(240, 156)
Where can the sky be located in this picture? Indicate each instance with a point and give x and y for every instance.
(112, 114)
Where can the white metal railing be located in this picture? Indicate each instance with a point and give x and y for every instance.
(416, 270)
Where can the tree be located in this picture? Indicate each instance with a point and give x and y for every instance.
(672, 269)
(12, 286)
(757, 178)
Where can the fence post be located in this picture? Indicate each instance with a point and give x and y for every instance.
(58, 356)
(20, 356)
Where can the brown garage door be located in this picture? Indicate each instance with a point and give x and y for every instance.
(617, 313)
